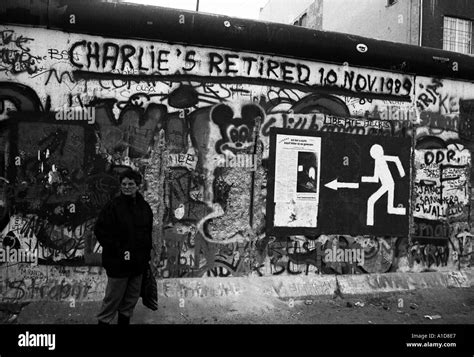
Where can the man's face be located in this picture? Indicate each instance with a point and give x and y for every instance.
(128, 187)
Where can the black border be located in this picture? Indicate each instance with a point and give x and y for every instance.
(224, 339)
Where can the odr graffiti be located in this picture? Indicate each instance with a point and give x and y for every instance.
(441, 183)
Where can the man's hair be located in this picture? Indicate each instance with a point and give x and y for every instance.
(131, 175)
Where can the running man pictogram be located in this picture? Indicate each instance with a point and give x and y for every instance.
(382, 173)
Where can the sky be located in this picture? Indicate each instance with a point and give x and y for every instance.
(247, 9)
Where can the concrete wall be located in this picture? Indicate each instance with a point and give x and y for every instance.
(373, 18)
(280, 11)
(313, 14)
(178, 113)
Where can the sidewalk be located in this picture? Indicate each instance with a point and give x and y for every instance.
(452, 306)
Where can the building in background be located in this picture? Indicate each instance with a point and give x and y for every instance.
(445, 24)
(284, 11)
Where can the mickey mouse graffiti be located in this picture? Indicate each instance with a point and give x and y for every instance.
(237, 133)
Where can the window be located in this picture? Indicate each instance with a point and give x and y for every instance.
(457, 35)
(391, 2)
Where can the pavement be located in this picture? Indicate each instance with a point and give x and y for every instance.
(424, 306)
(394, 298)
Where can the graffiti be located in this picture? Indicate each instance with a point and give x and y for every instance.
(325, 254)
(429, 95)
(466, 248)
(188, 159)
(51, 163)
(231, 192)
(439, 121)
(292, 122)
(278, 96)
(379, 253)
(132, 132)
(59, 55)
(466, 119)
(441, 181)
(237, 133)
(330, 123)
(368, 82)
(29, 283)
(303, 256)
(31, 289)
(176, 130)
(431, 229)
(393, 112)
(440, 102)
(271, 69)
(237, 259)
(311, 103)
(58, 77)
(189, 289)
(47, 185)
(185, 254)
(52, 243)
(159, 61)
(177, 258)
(432, 95)
(182, 185)
(364, 126)
(462, 242)
(100, 189)
(20, 97)
(428, 255)
(15, 55)
(110, 56)
(217, 91)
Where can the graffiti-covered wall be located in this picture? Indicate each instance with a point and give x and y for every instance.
(76, 110)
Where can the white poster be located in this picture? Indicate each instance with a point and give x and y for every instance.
(297, 173)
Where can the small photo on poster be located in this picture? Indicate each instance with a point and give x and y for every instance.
(306, 180)
(297, 176)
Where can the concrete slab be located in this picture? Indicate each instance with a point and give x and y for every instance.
(458, 279)
(390, 282)
(66, 283)
(278, 286)
(469, 275)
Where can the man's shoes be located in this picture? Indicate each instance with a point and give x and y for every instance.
(123, 320)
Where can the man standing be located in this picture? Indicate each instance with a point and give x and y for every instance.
(124, 230)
